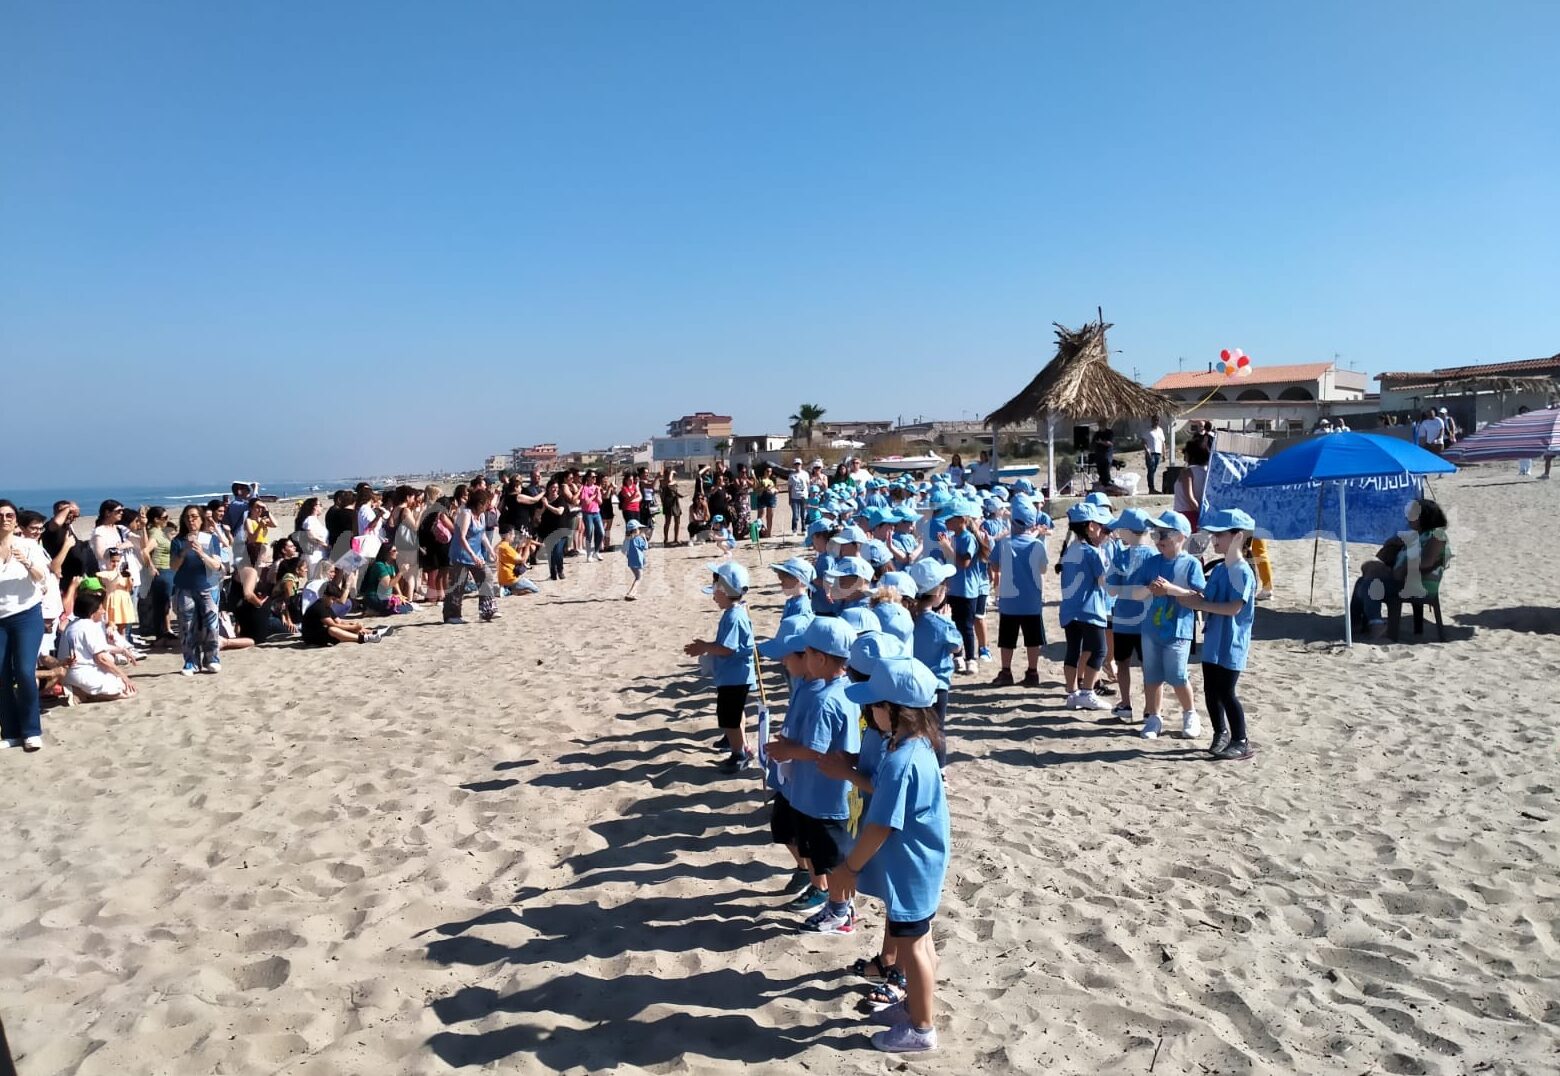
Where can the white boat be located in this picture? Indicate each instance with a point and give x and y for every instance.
(907, 464)
(1018, 470)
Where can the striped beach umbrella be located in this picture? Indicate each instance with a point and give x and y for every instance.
(1522, 437)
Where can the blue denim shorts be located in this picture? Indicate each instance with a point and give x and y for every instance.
(1164, 661)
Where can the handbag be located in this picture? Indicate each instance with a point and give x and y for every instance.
(441, 529)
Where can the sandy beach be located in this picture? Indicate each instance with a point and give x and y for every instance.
(507, 845)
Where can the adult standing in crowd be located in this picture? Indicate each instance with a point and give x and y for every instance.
(23, 569)
(671, 508)
(1153, 451)
(1430, 431)
(980, 474)
(1102, 447)
(764, 487)
(590, 515)
(310, 534)
(469, 555)
(157, 626)
(796, 495)
(340, 524)
(196, 558)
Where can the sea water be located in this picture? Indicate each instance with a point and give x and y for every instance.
(170, 496)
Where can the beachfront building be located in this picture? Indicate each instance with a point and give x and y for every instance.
(701, 424)
(496, 463)
(1274, 399)
(543, 457)
(686, 453)
(1473, 395)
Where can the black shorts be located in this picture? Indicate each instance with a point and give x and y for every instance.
(820, 841)
(766, 500)
(730, 702)
(1083, 638)
(1129, 646)
(911, 928)
(1009, 625)
(782, 821)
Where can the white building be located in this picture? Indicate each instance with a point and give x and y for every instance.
(1273, 399)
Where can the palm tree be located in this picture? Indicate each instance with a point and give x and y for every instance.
(806, 415)
(721, 447)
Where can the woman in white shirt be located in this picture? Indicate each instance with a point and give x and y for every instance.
(310, 535)
(23, 568)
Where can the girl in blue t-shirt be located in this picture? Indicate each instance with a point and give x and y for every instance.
(901, 852)
(1228, 603)
(936, 642)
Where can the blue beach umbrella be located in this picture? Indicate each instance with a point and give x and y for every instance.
(1338, 457)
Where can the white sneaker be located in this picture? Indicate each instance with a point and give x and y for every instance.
(9, 743)
(1088, 700)
(1122, 712)
(1191, 725)
(1152, 727)
(1072, 702)
(212, 669)
(906, 1039)
(1264, 595)
(33, 743)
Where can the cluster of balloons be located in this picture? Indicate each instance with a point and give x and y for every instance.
(1233, 362)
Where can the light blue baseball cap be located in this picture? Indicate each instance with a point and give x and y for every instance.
(929, 574)
(861, 618)
(901, 582)
(788, 638)
(1023, 485)
(851, 535)
(1088, 513)
(1131, 519)
(868, 650)
(1098, 498)
(1173, 521)
(818, 527)
(1023, 513)
(797, 568)
(1227, 519)
(732, 575)
(857, 566)
(901, 681)
(829, 635)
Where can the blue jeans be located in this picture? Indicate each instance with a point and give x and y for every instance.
(595, 534)
(1153, 469)
(798, 513)
(198, 615)
(21, 634)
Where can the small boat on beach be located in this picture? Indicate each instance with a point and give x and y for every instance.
(907, 464)
(1018, 470)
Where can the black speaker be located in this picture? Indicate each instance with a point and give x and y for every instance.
(1081, 438)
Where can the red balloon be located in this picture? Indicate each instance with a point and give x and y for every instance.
(1245, 360)
(1225, 354)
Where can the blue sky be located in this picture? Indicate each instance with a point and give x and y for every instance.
(347, 238)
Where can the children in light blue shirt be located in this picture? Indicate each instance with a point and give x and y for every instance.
(1168, 626)
(1133, 550)
(1084, 607)
(635, 550)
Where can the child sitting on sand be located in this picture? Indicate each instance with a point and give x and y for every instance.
(822, 720)
(731, 654)
(635, 549)
(1228, 603)
(514, 557)
(901, 855)
(323, 627)
(93, 674)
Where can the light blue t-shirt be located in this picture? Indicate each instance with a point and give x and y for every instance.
(1021, 560)
(821, 603)
(824, 720)
(634, 551)
(963, 583)
(936, 639)
(1226, 639)
(907, 872)
(1083, 586)
(1167, 618)
(735, 632)
(1129, 613)
(896, 621)
(797, 605)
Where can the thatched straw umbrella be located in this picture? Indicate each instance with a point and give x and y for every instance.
(1079, 383)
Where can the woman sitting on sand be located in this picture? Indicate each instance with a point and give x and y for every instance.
(1409, 564)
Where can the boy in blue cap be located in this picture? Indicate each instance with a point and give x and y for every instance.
(796, 578)
(1228, 602)
(936, 643)
(821, 534)
(788, 649)
(964, 548)
(821, 721)
(1132, 551)
(1169, 626)
(1019, 559)
(902, 853)
(1085, 607)
(731, 654)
